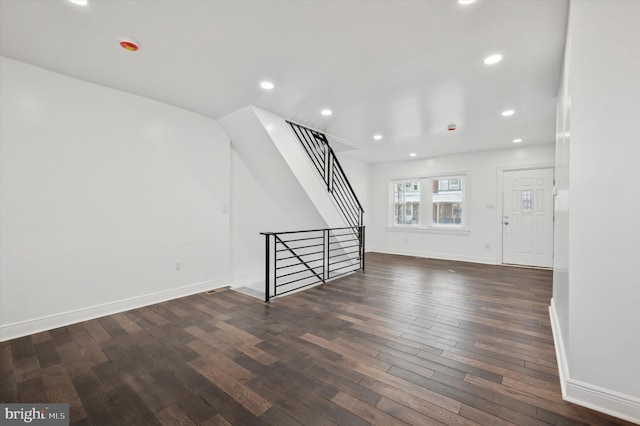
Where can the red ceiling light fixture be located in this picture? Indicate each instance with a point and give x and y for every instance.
(129, 45)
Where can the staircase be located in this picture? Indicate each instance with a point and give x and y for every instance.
(297, 168)
(326, 163)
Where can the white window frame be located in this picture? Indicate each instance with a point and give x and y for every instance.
(425, 220)
(392, 201)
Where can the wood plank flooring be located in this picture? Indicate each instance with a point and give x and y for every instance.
(409, 341)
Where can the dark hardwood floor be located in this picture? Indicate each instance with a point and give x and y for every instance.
(409, 341)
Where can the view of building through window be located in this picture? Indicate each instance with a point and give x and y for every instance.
(446, 199)
(407, 203)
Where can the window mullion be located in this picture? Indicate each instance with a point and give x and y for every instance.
(425, 201)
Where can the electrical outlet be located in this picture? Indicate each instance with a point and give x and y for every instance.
(178, 266)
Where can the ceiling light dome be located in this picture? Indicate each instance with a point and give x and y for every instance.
(267, 85)
(326, 112)
(466, 2)
(79, 2)
(508, 113)
(377, 137)
(493, 59)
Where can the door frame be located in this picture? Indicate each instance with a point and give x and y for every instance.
(500, 199)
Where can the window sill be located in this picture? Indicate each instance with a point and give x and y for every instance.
(430, 230)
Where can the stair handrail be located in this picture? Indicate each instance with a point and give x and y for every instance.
(328, 167)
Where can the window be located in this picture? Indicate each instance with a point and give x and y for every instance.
(444, 202)
(406, 196)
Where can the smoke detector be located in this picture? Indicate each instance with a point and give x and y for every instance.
(129, 45)
(451, 127)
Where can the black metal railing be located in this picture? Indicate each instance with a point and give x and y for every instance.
(326, 163)
(298, 259)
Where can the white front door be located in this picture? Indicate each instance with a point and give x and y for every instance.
(527, 217)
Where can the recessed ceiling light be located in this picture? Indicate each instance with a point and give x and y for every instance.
(493, 59)
(517, 140)
(466, 2)
(326, 112)
(377, 137)
(508, 113)
(79, 2)
(413, 154)
(267, 85)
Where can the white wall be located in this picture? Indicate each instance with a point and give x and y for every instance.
(303, 172)
(253, 210)
(102, 192)
(560, 301)
(266, 196)
(482, 169)
(604, 216)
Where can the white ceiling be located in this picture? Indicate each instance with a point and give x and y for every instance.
(404, 69)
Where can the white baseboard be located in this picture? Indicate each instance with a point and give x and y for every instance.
(249, 279)
(606, 401)
(558, 343)
(37, 325)
(585, 394)
(441, 256)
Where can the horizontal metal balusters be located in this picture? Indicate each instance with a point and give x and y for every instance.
(299, 259)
